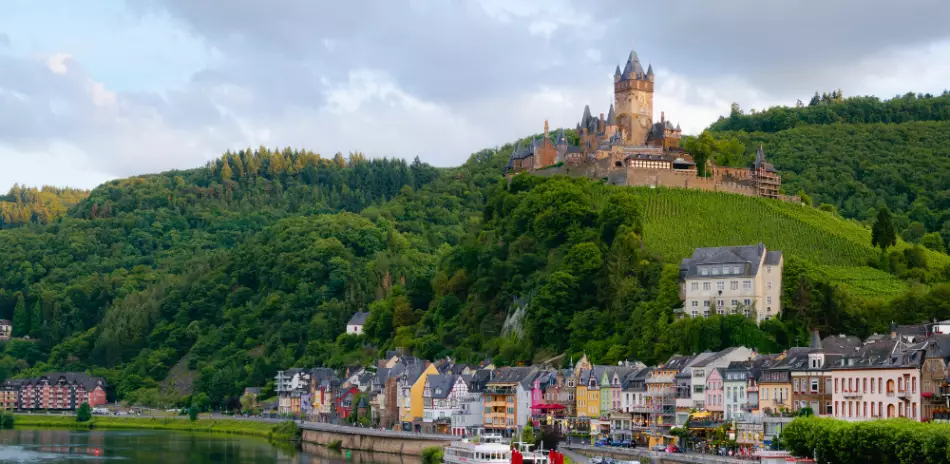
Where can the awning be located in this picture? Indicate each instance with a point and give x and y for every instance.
(548, 407)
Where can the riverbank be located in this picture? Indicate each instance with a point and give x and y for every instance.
(279, 431)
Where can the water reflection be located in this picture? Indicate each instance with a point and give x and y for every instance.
(148, 446)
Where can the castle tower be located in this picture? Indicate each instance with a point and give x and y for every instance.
(633, 101)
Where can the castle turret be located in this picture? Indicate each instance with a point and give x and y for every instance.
(650, 73)
(617, 74)
(633, 100)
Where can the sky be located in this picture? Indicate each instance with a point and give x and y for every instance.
(92, 91)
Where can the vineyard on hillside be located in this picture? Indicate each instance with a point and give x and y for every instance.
(678, 220)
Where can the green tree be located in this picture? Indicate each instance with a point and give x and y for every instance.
(36, 320)
(7, 419)
(21, 319)
(882, 233)
(933, 241)
(193, 413)
(84, 413)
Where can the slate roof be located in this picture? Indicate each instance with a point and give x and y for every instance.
(522, 375)
(703, 359)
(440, 385)
(676, 362)
(747, 257)
(78, 378)
(761, 162)
(358, 319)
(841, 344)
(477, 381)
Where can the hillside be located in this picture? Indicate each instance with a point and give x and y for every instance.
(859, 154)
(837, 248)
(23, 206)
(219, 276)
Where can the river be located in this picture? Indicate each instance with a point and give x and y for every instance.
(160, 446)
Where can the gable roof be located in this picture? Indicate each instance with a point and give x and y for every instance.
(747, 257)
(440, 385)
(358, 319)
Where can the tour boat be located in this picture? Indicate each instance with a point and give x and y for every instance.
(489, 450)
(492, 450)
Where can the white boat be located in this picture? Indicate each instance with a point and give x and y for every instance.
(488, 450)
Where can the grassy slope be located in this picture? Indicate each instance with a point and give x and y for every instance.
(238, 427)
(677, 221)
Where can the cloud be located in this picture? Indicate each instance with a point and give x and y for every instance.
(177, 82)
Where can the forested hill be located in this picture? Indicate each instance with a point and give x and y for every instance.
(860, 154)
(23, 206)
(187, 286)
(833, 108)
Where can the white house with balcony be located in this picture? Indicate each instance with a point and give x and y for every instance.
(882, 381)
(732, 280)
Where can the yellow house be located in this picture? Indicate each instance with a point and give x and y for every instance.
(775, 388)
(416, 401)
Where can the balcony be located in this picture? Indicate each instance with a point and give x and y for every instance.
(851, 394)
(903, 394)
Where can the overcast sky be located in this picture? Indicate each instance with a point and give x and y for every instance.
(91, 91)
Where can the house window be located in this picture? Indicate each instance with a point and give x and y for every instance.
(735, 269)
(720, 285)
(768, 269)
(768, 300)
(814, 385)
(694, 286)
(735, 303)
(706, 286)
(720, 304)
(746, 284)
(695, 313)
(734, 285)
(768, 285)
(695, 303)
(706, 304)
(715, 271)
(704, 271)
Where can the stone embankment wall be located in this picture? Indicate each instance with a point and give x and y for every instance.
(372, 440)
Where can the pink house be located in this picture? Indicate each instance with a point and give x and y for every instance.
(714, 395)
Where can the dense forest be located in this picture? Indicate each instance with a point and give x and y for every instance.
(187, 286)
(28, 205)
(855, 156)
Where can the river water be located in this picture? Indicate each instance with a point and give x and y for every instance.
(160, 446)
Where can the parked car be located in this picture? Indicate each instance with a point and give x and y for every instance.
(597, 460)
(625, 444)
(660, 448)
(601, 442)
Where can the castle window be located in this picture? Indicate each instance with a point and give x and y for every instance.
(618, 164)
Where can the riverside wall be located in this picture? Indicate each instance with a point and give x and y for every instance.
(372, 440)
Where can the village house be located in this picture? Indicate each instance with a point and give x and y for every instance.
(882, 380)
(507, 399)
(6, 329)
(468, 420)
(356, 323)
(744, 280)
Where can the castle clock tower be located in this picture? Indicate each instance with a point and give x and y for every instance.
(633, 100)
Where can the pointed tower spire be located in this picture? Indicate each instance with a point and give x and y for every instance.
(649, 70)
(617, 72)
(815, 339)
(611, 117)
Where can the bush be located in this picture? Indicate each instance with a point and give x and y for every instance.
(84, 413)
(335, 444)
(193, 413)
(287, 430)
(7, 419)
(432, 455)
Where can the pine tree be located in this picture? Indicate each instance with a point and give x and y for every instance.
(36, 320)
(883, 234)
(21, 319)
(225, 169)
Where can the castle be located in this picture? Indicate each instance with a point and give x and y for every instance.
(627, 148)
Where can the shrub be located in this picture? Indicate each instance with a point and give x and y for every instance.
(432, 455)
(193, 413)
(84, 413)
(335, 444)
(7, 419)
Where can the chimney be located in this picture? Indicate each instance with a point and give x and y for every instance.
(662, 116)
(545, 128)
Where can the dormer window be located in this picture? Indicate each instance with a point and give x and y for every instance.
(704, 271)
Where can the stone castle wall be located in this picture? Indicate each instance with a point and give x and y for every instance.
(640, 177)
